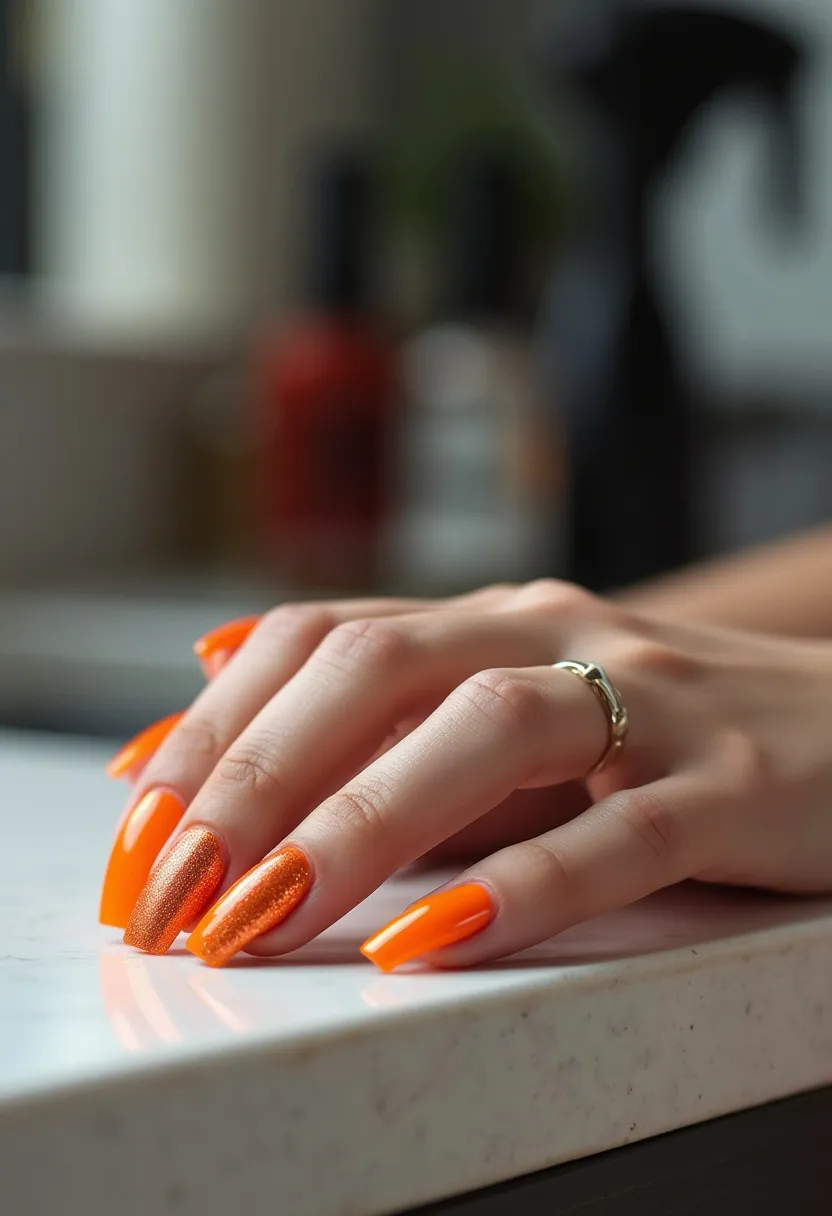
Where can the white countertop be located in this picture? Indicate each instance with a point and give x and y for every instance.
(318, 1087)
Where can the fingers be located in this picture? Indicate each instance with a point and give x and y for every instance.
(496, 731)
(186, 756)
(216, 648)
(355, 746)
(618, 851)
(525, 813)
(213, 650)
(326, 723)
(277, 647)
(173, 759)
(260, 769)
(305, 623)
(321, 727)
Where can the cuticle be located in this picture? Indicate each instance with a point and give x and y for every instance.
(492, 896)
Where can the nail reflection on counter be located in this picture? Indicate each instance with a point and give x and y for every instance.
(151, 1003)
(398, 992)
(201, 985)
(138, 1013)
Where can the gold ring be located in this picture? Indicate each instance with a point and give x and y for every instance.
(606, 692)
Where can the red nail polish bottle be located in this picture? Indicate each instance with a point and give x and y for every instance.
(324, 395)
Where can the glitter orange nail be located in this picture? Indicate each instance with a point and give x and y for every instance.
(139, 749)
(258, 902)
(178, 890)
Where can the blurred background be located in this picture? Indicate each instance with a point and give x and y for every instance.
(321, 297)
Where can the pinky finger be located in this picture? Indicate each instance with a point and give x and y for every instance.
(621, 849)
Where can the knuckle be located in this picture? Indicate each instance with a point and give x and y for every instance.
(198, 739)
(250, 772)
(649, 817)
(749, 762)
(360, 809)
(545, 868)
(551, 595)
(640, 655)
(306, 623)
(499, 589)
(382, 643)
(507, 698)
(494, 593)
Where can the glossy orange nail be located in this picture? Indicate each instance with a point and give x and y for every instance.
(139, 750)
(258, 902)
(215, 648)
(139, 842)
(437, 920)
(180, 887)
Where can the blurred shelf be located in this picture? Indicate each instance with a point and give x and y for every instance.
(36, 319)
(108, 661)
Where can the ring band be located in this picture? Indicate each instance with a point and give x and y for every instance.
(606, 692)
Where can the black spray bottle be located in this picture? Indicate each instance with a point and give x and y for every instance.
(640, 75)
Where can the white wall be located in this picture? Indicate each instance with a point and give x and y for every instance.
(169, 144)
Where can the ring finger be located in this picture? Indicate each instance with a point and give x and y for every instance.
(618, 851)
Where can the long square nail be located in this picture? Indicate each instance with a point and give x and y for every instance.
(258, 902)
(141, 838)
(180, 887)
(438, 920)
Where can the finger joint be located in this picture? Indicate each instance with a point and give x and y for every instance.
(649, 817)
(506, 699)
(358, 810)
(251, 772)
(198, 739)
(301, 624)
(362, 643)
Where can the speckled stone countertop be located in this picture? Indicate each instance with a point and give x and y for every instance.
(318, 1087)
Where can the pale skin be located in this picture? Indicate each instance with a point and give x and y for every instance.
(373, 733)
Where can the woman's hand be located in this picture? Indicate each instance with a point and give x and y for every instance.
(343, 742)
